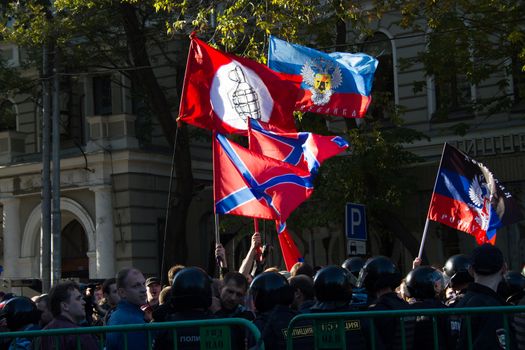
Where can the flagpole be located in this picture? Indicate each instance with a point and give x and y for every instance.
(425, 230)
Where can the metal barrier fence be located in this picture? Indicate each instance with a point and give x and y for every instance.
(329, 329)
(214, 334)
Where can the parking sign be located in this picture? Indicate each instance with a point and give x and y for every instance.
(355, 216)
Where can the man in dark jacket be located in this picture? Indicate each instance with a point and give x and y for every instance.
(488, 268)
(67, 306)
(232, 294)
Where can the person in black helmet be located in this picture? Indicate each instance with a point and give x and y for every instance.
(333, 291)
(359, 296)
(425, 285)
(380, 277)
(272, 297)
(20, 314)
(514, 283)
(487, 330)
(353, 265)
(191, 296)
(457, 275)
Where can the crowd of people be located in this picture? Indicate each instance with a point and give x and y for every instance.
(271, 299)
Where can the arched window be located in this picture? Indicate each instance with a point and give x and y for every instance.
(379, 45)
(7, 115)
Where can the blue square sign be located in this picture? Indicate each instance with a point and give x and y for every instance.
(355, 218)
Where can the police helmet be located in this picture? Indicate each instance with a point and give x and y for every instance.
(456, 270)
(19, 312)
(353, 265)
(270, 289)
(515, 282)
(424, 282)
(191, 289)
(378, 272)
(333, 287)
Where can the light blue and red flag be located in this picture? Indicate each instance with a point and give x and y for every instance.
(250, 184)
(291, 254)
(302, 149)
(222, 91)
(337, 83)
(469, 198)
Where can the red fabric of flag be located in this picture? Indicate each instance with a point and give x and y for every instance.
(221, 91)
(250, 184)
(291, 254)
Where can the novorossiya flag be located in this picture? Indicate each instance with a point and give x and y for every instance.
(469, 198)
(221, 91)
(303, 149)
(337, 83)
(250, 184)
(291, 254)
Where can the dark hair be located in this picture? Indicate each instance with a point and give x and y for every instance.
(107, 283)
(303, 283)
(173, 271)
(60, 293)
(237, 278)
(122, 275)
(302, 268)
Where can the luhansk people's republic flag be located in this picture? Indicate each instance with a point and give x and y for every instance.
(469, 198)
(221, 91)
(336, 83)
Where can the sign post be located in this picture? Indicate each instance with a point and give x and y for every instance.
(356, 230)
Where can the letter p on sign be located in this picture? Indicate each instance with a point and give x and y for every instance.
(355, 222)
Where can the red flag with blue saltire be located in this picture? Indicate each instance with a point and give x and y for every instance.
(250, 184)
(222, 91)
(291, 254)
(337, 83)
(303, 149)
(469, 198)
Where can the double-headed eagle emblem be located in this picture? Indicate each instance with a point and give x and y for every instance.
(480, 195)
(322, 76)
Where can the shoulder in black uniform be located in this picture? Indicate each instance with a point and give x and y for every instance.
(380, 277)
(191, 296)
(426, 285)
(272, 296)
(487, 329)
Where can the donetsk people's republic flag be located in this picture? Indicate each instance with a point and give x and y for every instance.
(337, 83)
(221, 91)
(468, 198)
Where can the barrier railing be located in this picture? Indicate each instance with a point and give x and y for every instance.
(215, 334)
(329, 329)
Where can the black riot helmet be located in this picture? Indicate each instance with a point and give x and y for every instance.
(270, 289)
(515, 282)
(456, 270)
(353, 265)
(333, 287)
(191, 289)
(424, 282)
(19, 312)
(378, 272)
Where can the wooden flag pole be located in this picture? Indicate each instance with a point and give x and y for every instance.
(425, 230)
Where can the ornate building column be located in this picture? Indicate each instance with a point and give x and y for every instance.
(12, 236)
(104, 241)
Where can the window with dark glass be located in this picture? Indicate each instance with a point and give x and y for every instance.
(7, 115)
(71, 112)
(383, 93)
(102, 95)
